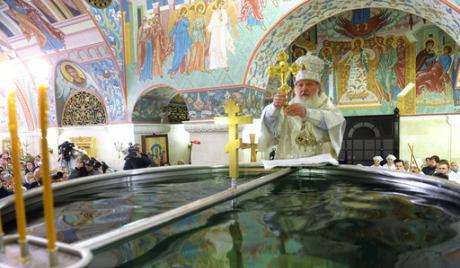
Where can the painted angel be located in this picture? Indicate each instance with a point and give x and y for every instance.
(220, 39)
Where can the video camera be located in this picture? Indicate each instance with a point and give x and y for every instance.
(65, 149)
(132, 150)
(89, 162)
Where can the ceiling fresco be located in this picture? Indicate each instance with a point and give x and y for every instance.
(37, 19)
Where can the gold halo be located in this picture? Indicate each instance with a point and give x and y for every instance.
(200, 3)
(355, 40)
(66, 74)
(428, 39)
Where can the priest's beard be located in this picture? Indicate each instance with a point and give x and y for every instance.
(308, 102)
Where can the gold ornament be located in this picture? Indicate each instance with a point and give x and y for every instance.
(99, 3)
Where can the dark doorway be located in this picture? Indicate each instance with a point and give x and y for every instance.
(368, 136)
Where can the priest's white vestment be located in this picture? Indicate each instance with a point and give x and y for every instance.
(319, 132)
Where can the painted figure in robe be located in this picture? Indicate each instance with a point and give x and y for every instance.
(159, 44)
(198, 36)
(374, 62)
(251, 12)
(385, 71)
(400, 66)
(358, 62)
(182, 42)
(329, 78)
(33, 24)
(144, 50)
(220, 38)
(426, 57)
(430, 75)
(446, 59)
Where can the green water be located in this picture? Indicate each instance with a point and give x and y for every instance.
(90, 213)
(300, 222)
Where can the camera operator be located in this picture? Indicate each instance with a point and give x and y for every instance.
(84, 167)
(68, 156)
(136, 159)
(101, 166)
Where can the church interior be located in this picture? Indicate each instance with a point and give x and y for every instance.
(157, 73)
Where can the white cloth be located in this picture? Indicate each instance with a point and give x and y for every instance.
(321, 159)
(374, 166)
(325, 122)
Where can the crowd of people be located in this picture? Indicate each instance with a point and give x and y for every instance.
(433, 166)
(72, 164)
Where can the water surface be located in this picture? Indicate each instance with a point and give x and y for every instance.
(302, 222)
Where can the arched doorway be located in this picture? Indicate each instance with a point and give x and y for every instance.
(368, 136)
(162, 105)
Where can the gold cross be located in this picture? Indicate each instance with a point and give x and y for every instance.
(283, 70)
(231, 108)
(251, 145)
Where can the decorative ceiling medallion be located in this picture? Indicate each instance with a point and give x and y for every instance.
(99, 3)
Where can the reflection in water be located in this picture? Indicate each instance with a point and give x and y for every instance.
(298, 223)
(99, 210)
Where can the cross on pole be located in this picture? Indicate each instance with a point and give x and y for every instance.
(283, 70)
(251, 145)
(232, 108)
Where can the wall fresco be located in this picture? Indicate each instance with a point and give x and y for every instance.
(69, 77)
(435, 64)
(210, 103)
(110, 22)
(368, 60)
(312, 12)
(199, 45)
(104, 71)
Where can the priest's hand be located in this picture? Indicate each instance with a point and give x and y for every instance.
(295, 109)
(279, 100)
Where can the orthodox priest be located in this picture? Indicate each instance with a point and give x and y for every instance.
(309, 125)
